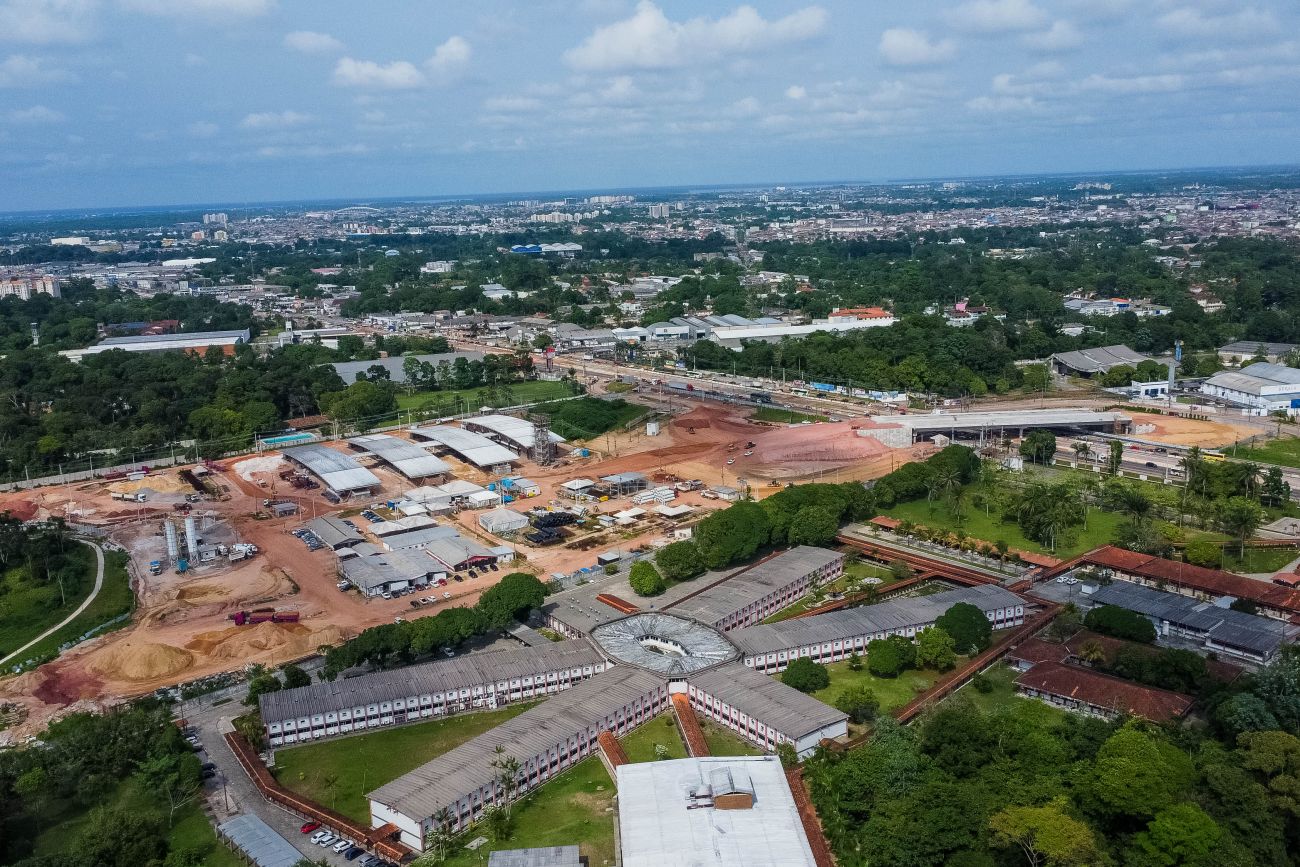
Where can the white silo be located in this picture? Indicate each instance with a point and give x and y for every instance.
(192, 540)
(173, 549)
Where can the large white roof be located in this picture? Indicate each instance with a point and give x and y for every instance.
(338, 471)
(472, 447)
(407, 458)
(516, 430)
(660, 825)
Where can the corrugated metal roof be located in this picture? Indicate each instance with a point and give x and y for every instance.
(407, 458)
(1225, 626)
(257, 840)
(1100, 359)
(663, 643)
(516, 430)
(339, 471)
(461, 672)
(767, 699)
(890, 616)
(468, 767)
(749, 585)
(472, 447)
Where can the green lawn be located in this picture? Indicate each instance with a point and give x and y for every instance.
(1100, 530)
(783, 416)
(891, 692)
(1284, 452)
(723, 742)
(338, 773)
(529, 391)
(662, 730)
(853, 569)
(574, 808)
(115, 598)
(28, 608)
(1257, 559)
(1003, 697)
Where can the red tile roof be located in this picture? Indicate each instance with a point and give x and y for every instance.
(1100, 690)
(885, 521)
(1212, 581)
(612, 749)
(617, 603)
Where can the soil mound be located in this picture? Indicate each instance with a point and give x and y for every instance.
(267, 641)
(141, 660)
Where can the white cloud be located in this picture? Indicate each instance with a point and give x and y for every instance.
(202, 129)
(201, 10)
(1242, 24)
(1002, 104)
(1132, 84)
(796, 91)
(998, 16)
(650, 40)
(311, 42)
(747, 107)
(398, 75)
(513, 103)
(1061, 36)
(37, 114)
(903, 47)
(19, 70)
(449, 58)
(46, 22)
(274, 119)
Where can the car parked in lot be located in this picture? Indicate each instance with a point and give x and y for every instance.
(327, 840)
(308, 827)
(342, 846)
(319, 835)
(354, 853)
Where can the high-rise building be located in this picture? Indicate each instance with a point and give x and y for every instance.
(215, 219)
(660, 212)
(27, 285)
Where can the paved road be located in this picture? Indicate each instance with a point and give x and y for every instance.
(99, 582)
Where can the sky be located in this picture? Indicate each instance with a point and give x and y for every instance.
(139, 102)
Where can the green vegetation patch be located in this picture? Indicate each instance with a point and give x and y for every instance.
(1284, 452)
(585, 418)
(642, 744)
(723, 742)
(339, 773)
(444, 402)
(29, 607)
(891, 692)
(777, 415)
(573, 808)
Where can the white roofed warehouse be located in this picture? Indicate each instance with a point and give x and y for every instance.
(339, 472)
(1262, 387)
(511, 432)
(407, 458)
(502, 522)
(472, 448)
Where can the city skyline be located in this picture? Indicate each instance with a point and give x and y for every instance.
(137, 103)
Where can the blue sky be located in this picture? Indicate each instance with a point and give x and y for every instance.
(125, 102)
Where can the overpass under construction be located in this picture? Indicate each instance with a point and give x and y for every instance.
(982, 427)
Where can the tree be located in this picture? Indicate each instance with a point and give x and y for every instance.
(805, 675)
(1115, 457)
(732, 534)
(360, 404)
(889, 657)
(1120, 623)
(1240, 517)
(1138, 774)
(859, 702)
(1082, 450)
(1046, 835)
(1039, 446)
(510, 599)
(261, 681)
(1179, 835)
(295, 676)
(114, 837)
(813, 525)
(1203, 553)
(934, 649)
(645, 579)
(1276, 491)
(679, 561)
(969, 628)
(173, 778)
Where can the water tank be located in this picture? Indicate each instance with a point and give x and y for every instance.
(173, 549)
(191, 538)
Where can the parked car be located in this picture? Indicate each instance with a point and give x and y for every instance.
(320, 835)
(386, 595)
(207, 774)
(308, 827)
(354, 853)
(368, 861)
(425, 600)
(446, 595)
(492, 566)
(327, 841)
(342, 846)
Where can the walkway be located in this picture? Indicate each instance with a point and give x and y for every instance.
(689, 723)
(99, 583)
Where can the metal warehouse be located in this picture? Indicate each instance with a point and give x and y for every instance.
(473, 448)
(510, 431)
(751, 594)
(407, 458)
(764, 709)
(339, 472)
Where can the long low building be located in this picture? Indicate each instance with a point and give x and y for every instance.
(407, 458)
(472, 448)
(837, 635)
(512, 432)
(903, 431)
(749, 595)
(337, 471)
(1097, 360)
(1262, 386)
(455, 788)
(1219, 629)
(1084, 691)
(763, 709)
(1198, 582)
(433, 689)
(197, 342)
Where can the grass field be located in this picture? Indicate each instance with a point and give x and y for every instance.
(726, 743)
(1257, 559)
(783, 416)
(574, 808)
(340, 772)
(891, 692)
(662, 730)
(28, 608)
(529, 391)
(115, 598)
(1285, 453)
(1100, 530)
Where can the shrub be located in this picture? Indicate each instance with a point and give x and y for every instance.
(1120, 623)
(859, 702)
(1203, 553)
(981, 684)
(645, 580)
(805, 675)
(969, 628)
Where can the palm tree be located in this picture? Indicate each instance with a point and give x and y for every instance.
(1082, 450)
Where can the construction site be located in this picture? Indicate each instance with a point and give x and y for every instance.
(223, 576)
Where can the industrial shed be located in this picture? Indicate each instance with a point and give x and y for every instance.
(1099, 359)
(337, 471)
(499, 522)
(472, 448)
(513, 432)
(407, 458)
